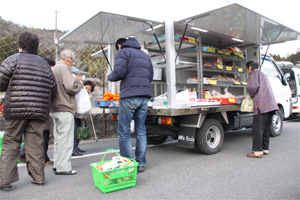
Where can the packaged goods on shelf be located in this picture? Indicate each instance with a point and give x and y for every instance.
(234, 51)
(192, 80)
(206, 80)
(157, 74)
(208, 65)
(226, 80)
(161, 101)
(192, 97)
(208, 102)
(176, 37)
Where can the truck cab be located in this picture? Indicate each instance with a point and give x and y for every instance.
(292, 74)
(279, 84)
(281, 91)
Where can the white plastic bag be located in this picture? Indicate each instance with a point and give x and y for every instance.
(247, 104)
(83, 104)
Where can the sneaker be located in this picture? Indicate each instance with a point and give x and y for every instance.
(49, 162)
(80, 150)
(141, 168)
(71, 172)
(76, 153)
(5, 186)
(266, 152)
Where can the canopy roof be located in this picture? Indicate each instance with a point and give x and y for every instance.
(223, 24)
(106, 28)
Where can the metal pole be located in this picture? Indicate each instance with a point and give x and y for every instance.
(55, 37)
(93, 128)
(170, 64)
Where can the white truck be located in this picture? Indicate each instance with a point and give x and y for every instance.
(292, 74)
(193, 53)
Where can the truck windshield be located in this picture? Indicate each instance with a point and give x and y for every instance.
(269, 69)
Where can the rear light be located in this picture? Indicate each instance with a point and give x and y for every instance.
(295, 107)
(114, 117)
(165, 120)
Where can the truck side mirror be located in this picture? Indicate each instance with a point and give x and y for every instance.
(283, 80)
(287, 76)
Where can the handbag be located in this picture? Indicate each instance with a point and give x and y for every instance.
(83, 104)
(247, 104)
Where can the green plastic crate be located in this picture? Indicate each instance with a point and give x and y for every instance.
(116, 179)
(1, 138)
(0, 145)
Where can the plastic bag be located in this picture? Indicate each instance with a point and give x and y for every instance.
(247, 104)
(83, 104)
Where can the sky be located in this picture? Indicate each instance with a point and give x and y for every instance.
(70, 14)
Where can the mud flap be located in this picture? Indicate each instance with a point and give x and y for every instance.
(187, 137)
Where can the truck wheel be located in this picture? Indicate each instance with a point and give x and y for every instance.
(156, 139)
(277, 124)
(210, 137)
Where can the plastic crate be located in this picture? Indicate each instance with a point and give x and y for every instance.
(234, 69)
(106, 104)
(0, 145)
(220, 51)
(115, 179)
(223, 82)
(209, 49)
(1, 138)
(230, 100)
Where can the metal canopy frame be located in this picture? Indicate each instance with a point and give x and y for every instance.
(236, 21)
(105, 28)
(222, 24)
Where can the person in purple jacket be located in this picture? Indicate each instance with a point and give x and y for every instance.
(264, 106)
(134, 68)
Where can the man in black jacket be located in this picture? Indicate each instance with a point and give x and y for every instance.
(30, 85)
(134, 68)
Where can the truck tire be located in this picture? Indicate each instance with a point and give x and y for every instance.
(277, 124)
(210, 137)
(156, 139)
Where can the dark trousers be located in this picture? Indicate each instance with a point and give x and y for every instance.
(46, 134)
(261, 129)
(76, 141)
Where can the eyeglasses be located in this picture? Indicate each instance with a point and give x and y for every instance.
(70, 57)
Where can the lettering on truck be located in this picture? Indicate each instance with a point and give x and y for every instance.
(186, 138)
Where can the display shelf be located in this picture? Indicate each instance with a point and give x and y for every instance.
(221, 71)
(187, 65)
(191, 52)
(155, 48)
(216, 85)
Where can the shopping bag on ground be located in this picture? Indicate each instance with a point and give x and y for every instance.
(247, 104)
(83, 104)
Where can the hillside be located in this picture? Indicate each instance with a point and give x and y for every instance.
(12, 30)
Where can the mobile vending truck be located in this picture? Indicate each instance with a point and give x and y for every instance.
(199, 66)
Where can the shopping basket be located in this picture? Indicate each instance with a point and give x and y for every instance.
(115, 179)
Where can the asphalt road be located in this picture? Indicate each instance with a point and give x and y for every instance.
(177, 173)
